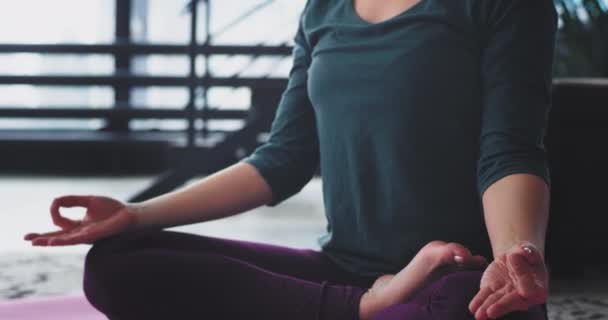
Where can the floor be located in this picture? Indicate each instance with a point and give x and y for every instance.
(27, 271)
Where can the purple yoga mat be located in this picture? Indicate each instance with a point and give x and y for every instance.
(60, 308)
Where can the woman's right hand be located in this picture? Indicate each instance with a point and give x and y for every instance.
(104, 217)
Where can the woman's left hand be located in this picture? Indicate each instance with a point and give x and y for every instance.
(516, 280)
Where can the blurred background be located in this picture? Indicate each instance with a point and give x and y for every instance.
(133, 98)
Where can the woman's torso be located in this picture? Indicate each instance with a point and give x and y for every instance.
(398, 112)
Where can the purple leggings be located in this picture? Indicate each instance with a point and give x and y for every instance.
(171, 275)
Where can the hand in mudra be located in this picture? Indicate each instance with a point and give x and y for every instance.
(514, 281)
(104, 217)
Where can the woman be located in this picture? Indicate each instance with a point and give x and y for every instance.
(426, 118)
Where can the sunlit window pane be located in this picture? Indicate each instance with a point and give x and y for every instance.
(161, 65)
(55, 96)
(182, 125)
(247, 66)
(56, 64)
(39, 21)
(51, 124)
(243, 22)
(158, 124)
(229, 98)
(233, 22)
(222, 125)
(160, 21)
(177, 98)
(237, 21)
(165, 97)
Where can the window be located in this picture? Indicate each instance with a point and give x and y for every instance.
(157, 22)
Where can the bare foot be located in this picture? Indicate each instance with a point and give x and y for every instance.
(434, 260)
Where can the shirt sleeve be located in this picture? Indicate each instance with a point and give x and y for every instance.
(516, 68)
(289, 159)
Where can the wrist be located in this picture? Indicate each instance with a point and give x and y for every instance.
(135, 211)
(517, 245)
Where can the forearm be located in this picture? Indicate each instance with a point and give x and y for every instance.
(516, 209)
(233, 190)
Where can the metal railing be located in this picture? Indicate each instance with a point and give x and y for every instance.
(122, 80)
(195, 158)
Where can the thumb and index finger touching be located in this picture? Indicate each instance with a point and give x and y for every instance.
(528, 265)
(66, 224)
(67, 202)
(525, 259)
(74, 231)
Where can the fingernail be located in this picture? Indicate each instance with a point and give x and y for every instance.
(458, 259)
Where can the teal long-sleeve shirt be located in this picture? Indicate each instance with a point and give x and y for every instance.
(410, 120)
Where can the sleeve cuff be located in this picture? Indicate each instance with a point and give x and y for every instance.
(266, 172)
(541, 170)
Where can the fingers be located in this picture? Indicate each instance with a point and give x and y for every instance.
(464, 258)
(78, 237)
(74, 201)
(531, 253)
(506, 304)
(43, 239)
(91, 233)
(461, 254)
(481, 313)
(67, 202)
(63, 238)
(32, 236)
(479, 298)
(532, 283)
(472, 263)
(64, 223)
(519, 265)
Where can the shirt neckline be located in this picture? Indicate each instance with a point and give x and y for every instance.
(350, 4)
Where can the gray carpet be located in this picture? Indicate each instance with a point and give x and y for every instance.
(40, 275)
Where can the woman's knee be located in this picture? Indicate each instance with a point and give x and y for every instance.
(453, 294)
(109, 249)
(462, 285)
(446, 298)
(128, 241)
(105, 269)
